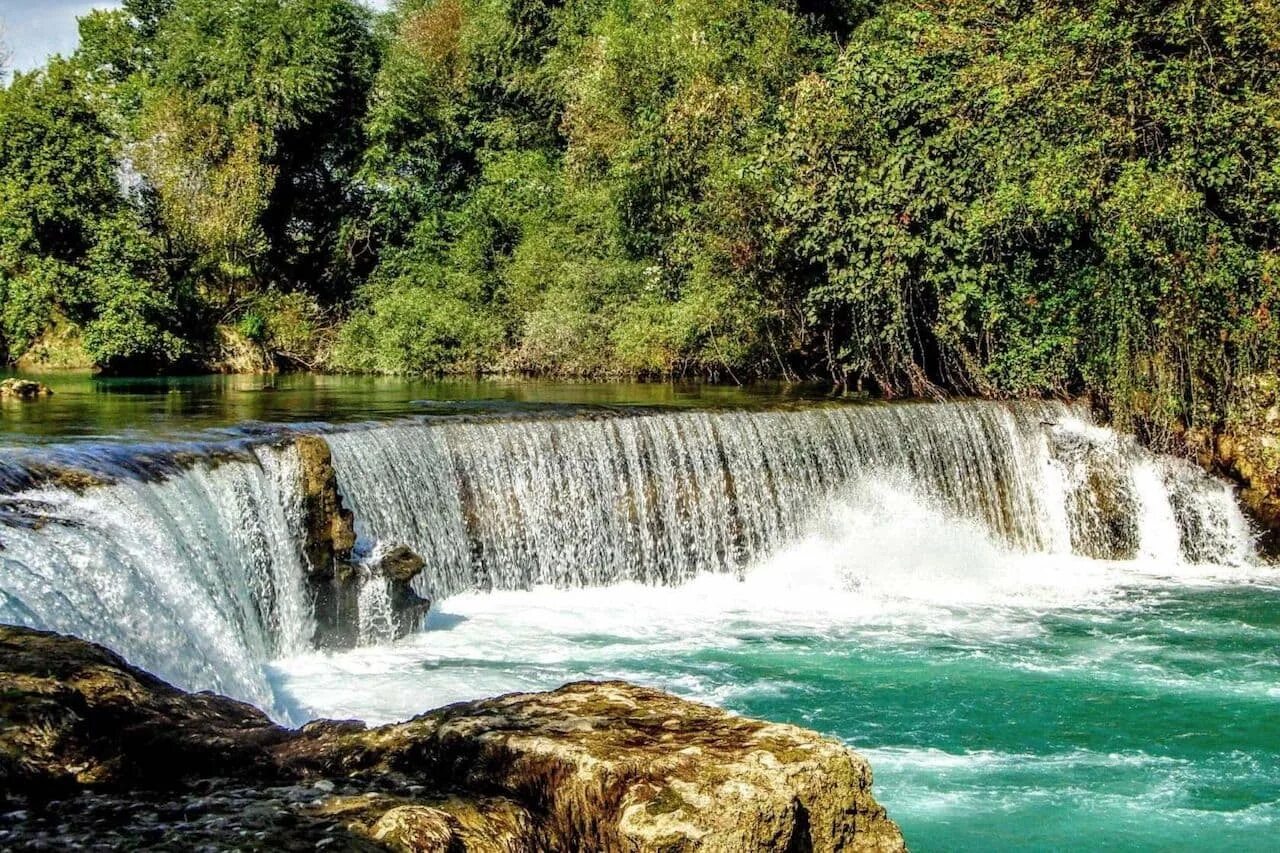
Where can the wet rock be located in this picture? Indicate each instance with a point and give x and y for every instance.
(1247, 449)
(74, 714)
(330, 538)
(1103, 506)
(330, 526)
(1105, 512)
(92, 752)
(333, 574)
(23, 389)
(400, 566)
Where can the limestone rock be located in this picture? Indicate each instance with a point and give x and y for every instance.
(73, 714)
(94, 752)
(330, 538)
(330, 526)
(23, 389)
(417, 829)
(1247, 448)
(626, 768)
(400, 566)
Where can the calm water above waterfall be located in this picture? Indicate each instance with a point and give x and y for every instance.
(1041, 635)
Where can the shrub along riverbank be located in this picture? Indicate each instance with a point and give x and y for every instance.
(1000, 197)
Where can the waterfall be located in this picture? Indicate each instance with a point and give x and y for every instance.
(659, 498)
(196, 577)
(188, 560)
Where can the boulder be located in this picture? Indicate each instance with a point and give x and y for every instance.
(96, 753)
(24, 390)
(334, 576)
(400, 566)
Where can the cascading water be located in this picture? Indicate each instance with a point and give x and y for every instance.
(191, 565)
(196, 576)
(1041, 634)
(661, 498)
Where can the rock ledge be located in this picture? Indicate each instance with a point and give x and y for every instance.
(95, 752)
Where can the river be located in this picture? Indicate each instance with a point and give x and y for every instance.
(1041, 635)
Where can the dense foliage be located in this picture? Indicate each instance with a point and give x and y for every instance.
(982, 196)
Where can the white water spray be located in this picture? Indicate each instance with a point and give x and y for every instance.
(197, 578)
(195, 573)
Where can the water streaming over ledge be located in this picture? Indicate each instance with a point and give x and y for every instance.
(662, 498)
(189, 563)
(195, 575)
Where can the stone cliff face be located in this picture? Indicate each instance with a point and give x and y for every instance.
(93, 751)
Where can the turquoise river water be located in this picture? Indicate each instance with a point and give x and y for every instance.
(1076, 706)
(1023, 670)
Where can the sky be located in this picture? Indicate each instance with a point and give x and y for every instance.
(34, 29)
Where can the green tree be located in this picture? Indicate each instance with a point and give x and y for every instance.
(255, 103)
(1039, 197)
(70, 244)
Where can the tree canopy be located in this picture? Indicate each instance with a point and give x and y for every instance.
(998, 197)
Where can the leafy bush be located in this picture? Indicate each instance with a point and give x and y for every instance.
(417, 330)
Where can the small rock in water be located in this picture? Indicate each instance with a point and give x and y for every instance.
(401, 564)
(23, 389)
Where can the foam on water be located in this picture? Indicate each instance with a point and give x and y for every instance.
(878, 566)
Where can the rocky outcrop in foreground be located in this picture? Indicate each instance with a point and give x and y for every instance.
(96, 753)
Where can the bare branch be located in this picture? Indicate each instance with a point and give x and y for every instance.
(6, 55)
